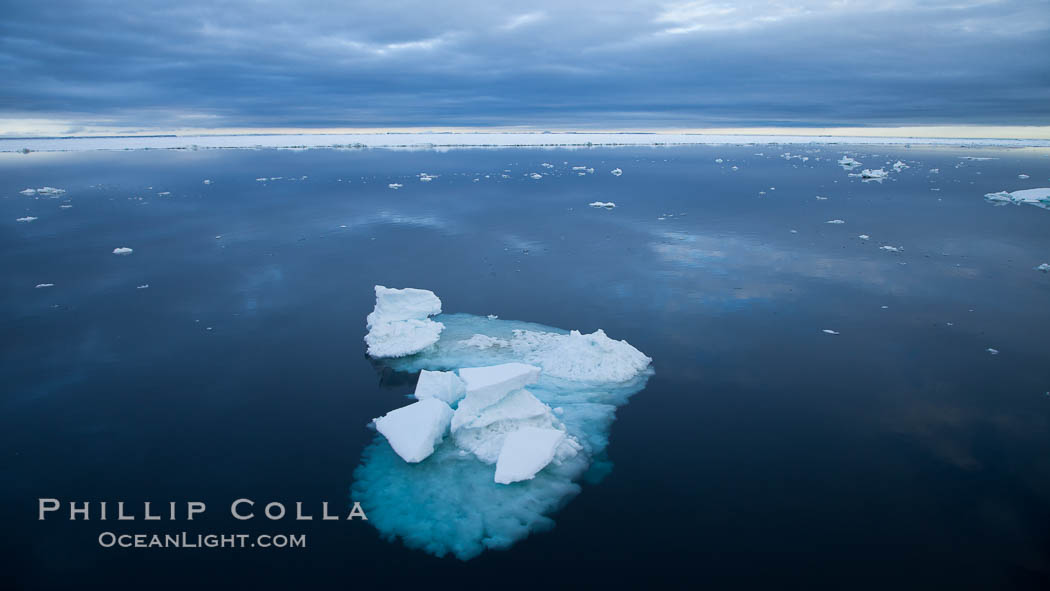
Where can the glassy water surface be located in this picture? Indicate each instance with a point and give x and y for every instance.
(223, 358)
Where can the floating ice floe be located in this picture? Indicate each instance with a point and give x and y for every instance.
(616, 172)
(492, 317)
(869, 174)
(395, 186)
(536, 176)
(547, 165)
(122, 250)
(819, 198)
(992, 351)
(207, 181)
(26, 219)
(718, 160)
(1023, 176)
(446, 386)
(835, 222)
(415, 430)
(1045, 268)
(891, 248)
(261, 179)
(426, 178)
(1037, 197)
(864, 237)
(400, 324)
(47, 191)
(935, 171)
(829, 331)
(65, 206)
(848, 162)
(899, 166)
(605, 204)
(534, 419)
(143, 286)
(43, 285)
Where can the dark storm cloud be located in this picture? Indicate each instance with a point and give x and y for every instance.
(627, 64)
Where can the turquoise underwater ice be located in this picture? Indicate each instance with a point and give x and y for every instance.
(449, 503)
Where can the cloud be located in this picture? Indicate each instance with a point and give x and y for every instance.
(155, 65)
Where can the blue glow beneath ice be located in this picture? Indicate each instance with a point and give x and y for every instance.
(449, 503)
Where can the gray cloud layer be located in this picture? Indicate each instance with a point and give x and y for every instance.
(561, 64)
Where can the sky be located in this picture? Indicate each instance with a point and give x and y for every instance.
(139, 66)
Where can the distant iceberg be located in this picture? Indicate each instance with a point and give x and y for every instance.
(531, 409)
(1037, 197)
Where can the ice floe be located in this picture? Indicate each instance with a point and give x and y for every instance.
(443, 385)
(536, 176)
(605, 204)
(26, 219)
(207, 181)
(899, 166)
(1037, 197)
(123, 250)
(395, 186)
(829, 331)
(848, 163)
(869, 174)
(864, 237)
(43, 285)
(616, 172)
(992, 351)
(1023, 176)
(414, 430)
(537, 408)
(891, 248)
(835, 222)
(46, 191)
(1045, 268)
(399, 325)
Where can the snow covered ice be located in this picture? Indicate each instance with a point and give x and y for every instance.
(400, 324)
(600, 204)
(532, 419)
(123, 250)
(1037, 197)
(414, 430)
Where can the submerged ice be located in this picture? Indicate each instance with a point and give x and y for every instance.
(529, 412)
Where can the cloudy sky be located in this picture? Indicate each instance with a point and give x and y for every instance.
(130, 65)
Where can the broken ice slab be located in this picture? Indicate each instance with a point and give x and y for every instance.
(525, 452)
(414, 431)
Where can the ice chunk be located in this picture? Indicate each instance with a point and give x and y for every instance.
(443, 385)
(486, 385)
(992, 351)
(1023, 176)
(47, 191)
(1045, 268)
(580, 357)
(835, 222)
(414, 431)
(399, 323)
(829, 331)
(605, 204)
(28, 192)
(43, 285)
(864, 237)
(536, 176)
(122, 250)
(395, 186)
(481, 432)
(525, 452)
(848, 162)
(899, 166)
(1037, 197)
(869, 174)
(207, 181)
(616, 172)
(26, 219)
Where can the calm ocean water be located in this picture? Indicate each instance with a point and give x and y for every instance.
(764, 451)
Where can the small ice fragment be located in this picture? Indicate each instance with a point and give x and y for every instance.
(835, 222)
(718, 160)
(261, 179)
(492, 317)
(885, 307)
(605, 204)
(399, 325)
(65, 206)
(616, 172)
(143, 286)
(395, 186)
(734, 168)
(1045, 268)
(207, 181)
(414, 431)
(122, 250)
(536, 176)
(793, 231)
(1022, 176)
(163, 193)
(935, 171)
(829, 331)
(26, 219)
(28, 192)
(899, 166)
(864, 237)
(992, 351)
(891, 248)
(873, 175)
(43, 285)
(848, 162)
(443, 385)
(819, 198)
(525, 452)
(486, 385)
(547, 165)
